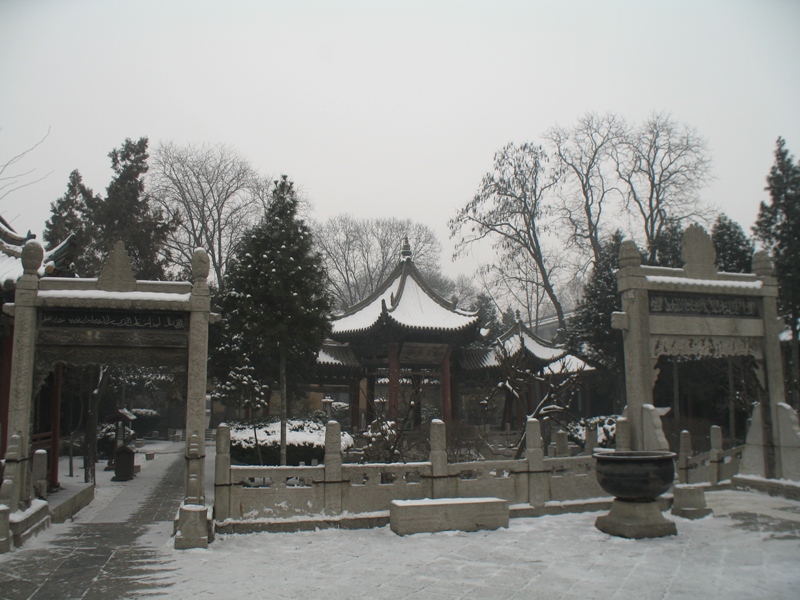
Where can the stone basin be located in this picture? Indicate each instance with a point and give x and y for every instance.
(635, 475)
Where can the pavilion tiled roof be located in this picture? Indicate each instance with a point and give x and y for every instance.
(405, 300)
(516, 340)
(11, 244)
(336, 354)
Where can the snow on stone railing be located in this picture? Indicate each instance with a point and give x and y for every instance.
(708, 467)
(333, 488)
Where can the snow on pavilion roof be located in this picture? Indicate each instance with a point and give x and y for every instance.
(340, 355)
(518, 339)
(11, 245)
(406, 300)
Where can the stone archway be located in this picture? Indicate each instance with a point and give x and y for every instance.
(111, 319)
(697, 312)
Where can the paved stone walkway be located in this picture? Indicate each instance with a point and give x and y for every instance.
(100, 555)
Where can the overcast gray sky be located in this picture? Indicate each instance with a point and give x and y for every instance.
(388, 108)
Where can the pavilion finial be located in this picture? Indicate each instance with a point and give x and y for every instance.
(406, 251)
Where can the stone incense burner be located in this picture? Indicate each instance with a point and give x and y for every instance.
(636, 479)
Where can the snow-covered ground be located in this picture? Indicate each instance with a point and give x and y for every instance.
(734, 554)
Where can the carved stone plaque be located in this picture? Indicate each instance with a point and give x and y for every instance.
(111, 319)
(664, 303)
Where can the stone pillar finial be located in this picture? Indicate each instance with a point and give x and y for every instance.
(32, 257)
(698, 253)
(201, 265)
(117, 272)
(629, 255)
(762, 264)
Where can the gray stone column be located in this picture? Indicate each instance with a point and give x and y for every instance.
(633, 321)
(773, 326)
(538, 480)
(192, 531)
(222, 474)
(333, 468)
(438, 458)
(22, 364)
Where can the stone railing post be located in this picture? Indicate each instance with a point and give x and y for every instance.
(438, 458)
(562, 443)
(332, 487)
(5, 532)
(684, 453)
(623, 435)
(538, 480)
(11, 488)
(40, 474)
(222, 474)
(715, 457)
(591, 440)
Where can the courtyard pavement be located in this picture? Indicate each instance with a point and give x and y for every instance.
(120, 547)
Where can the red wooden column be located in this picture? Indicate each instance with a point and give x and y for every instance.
(355, 405)
(55, 425)
(370, 399)
(447, 405)
(394, 380)
(455, 396)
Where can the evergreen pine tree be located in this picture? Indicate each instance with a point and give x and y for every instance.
(778, 229)
(276, 307)
(491, 322)
(667, 246)
(124, 214)
(69, 216)
(734, 249)
(591, 336)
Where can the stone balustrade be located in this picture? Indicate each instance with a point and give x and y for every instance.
(708, 467)
(249, 493)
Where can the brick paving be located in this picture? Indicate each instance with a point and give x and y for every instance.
(103, 558)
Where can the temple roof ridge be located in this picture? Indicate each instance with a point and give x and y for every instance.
(406, 299)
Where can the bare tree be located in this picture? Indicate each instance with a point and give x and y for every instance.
(514, 207)
(12, 179)
(662, 166)
(215, 195)
(589, 179)
(361, 253)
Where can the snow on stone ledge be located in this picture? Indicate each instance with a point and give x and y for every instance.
(103, 295)
(298, 433)
(721, 283)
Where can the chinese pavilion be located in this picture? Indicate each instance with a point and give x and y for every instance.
(404, 332)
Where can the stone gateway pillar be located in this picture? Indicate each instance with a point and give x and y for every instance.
(22, 368)
(192, 520)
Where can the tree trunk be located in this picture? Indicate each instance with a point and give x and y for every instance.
(731, 403)
(93, 407)
(284, 402)
(794, 384)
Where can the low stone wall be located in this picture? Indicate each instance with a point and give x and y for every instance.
(247, 493)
